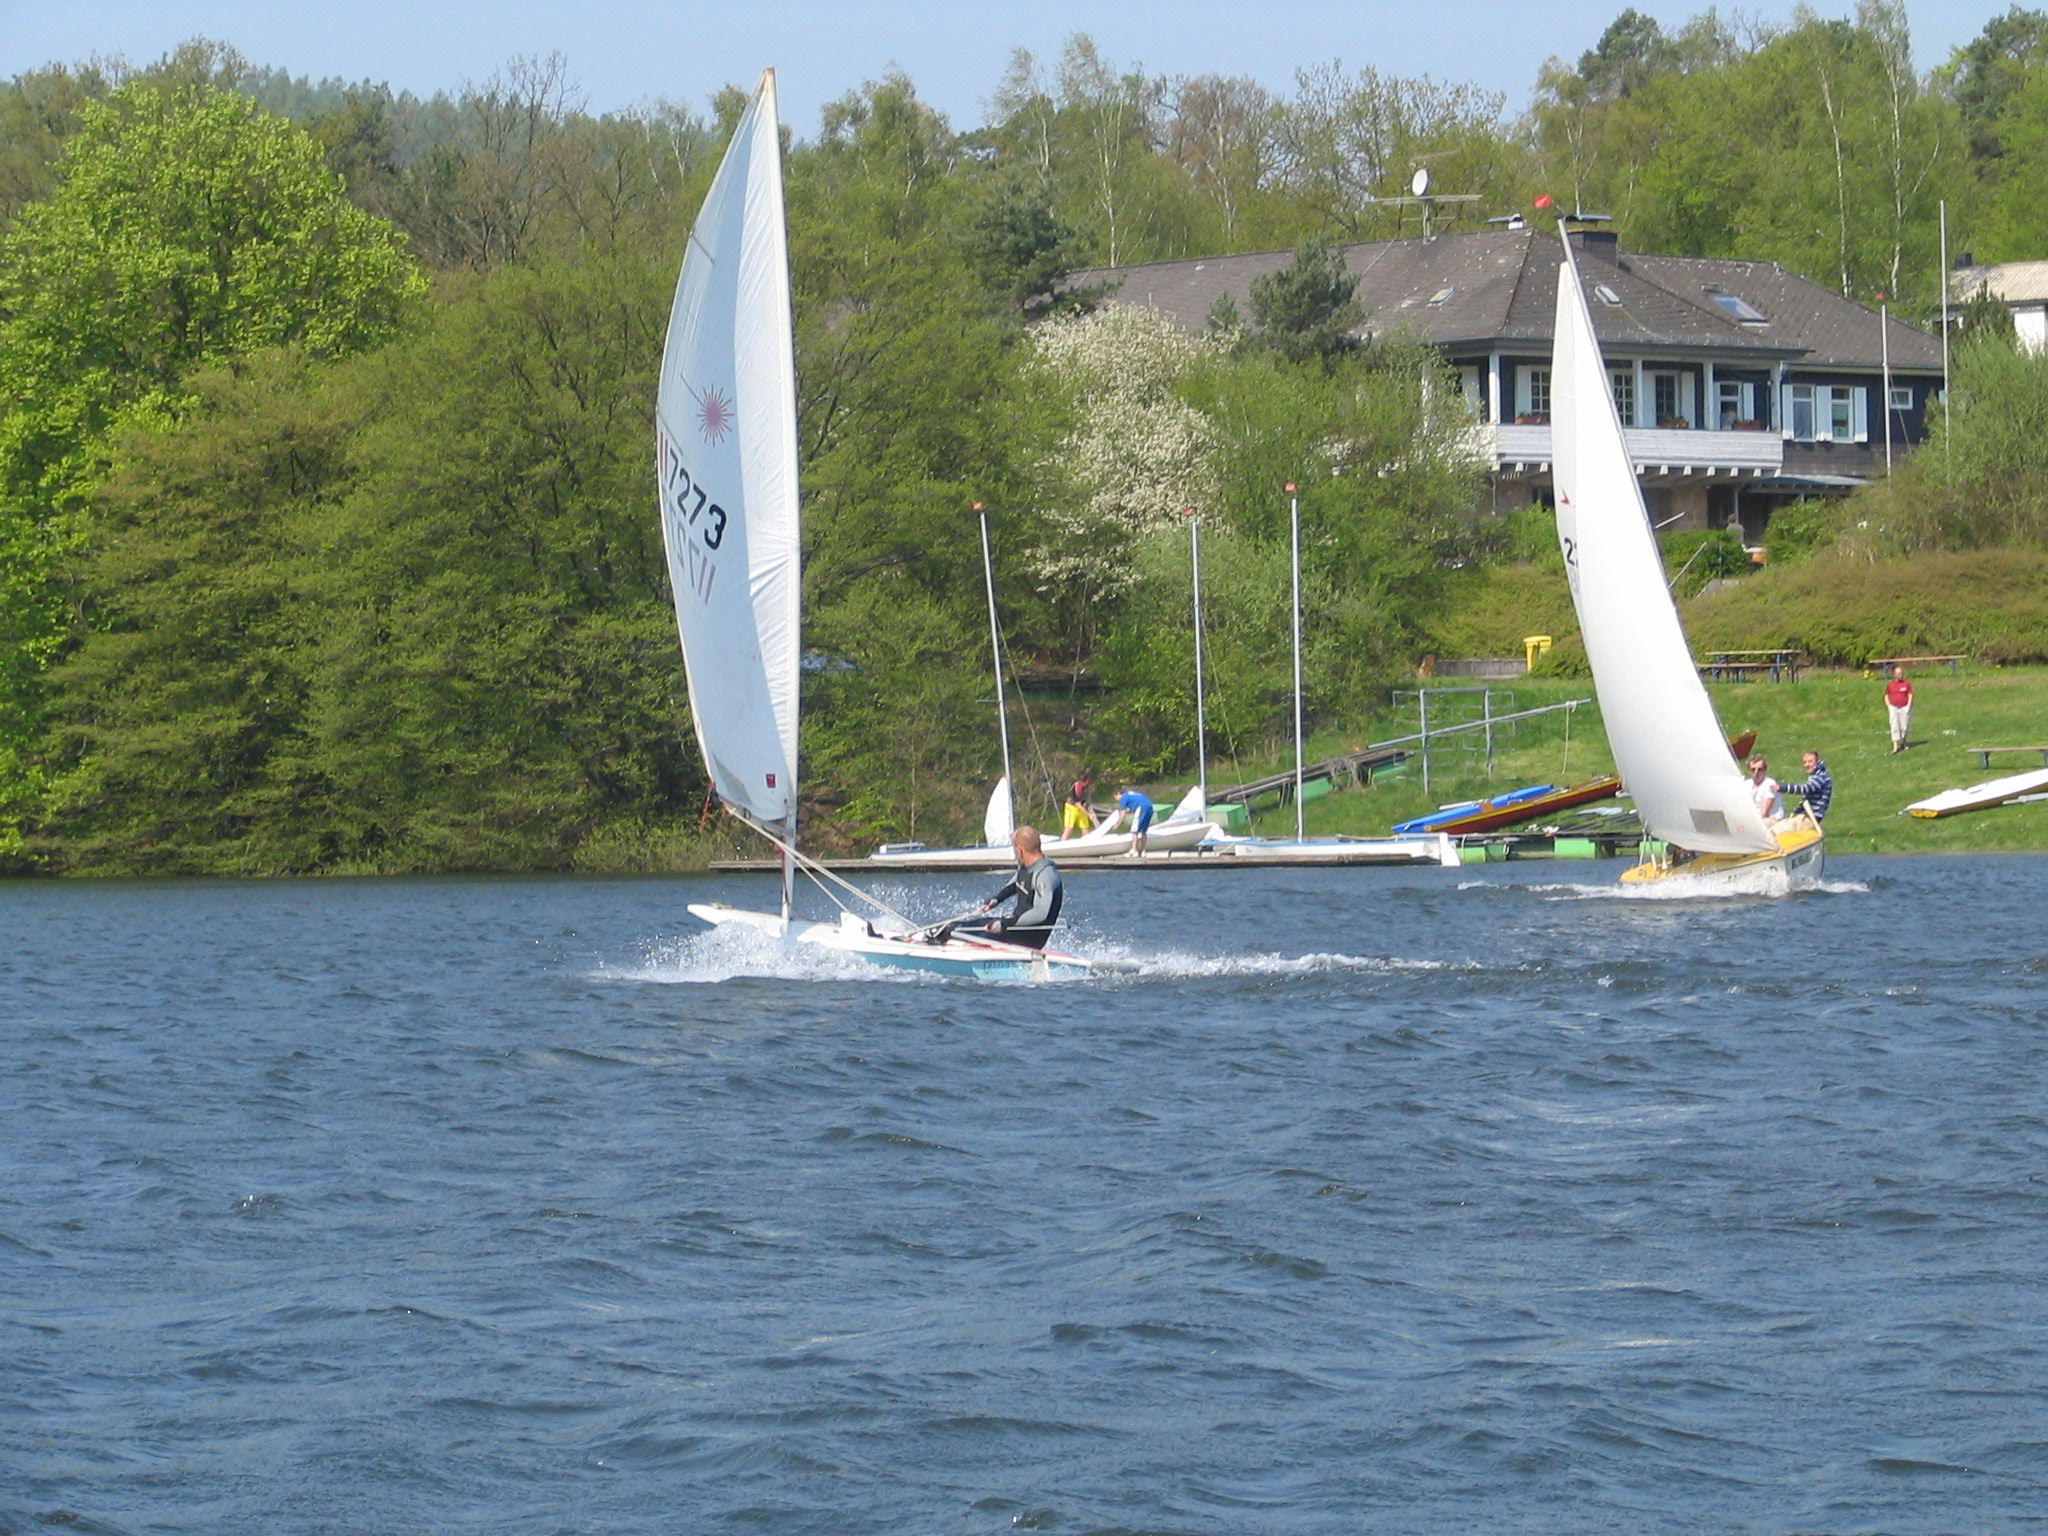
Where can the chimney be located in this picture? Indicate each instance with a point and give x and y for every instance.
(1598, 244)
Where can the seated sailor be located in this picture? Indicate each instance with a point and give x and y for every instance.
(1037, 888)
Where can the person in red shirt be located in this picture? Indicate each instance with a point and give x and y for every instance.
(1898, 702)
(1076, 818)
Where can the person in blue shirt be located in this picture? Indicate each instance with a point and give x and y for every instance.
(1140, 809)
(1819, 787)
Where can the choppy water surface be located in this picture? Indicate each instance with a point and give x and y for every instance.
(1374, 1201)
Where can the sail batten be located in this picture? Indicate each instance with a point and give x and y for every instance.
(1667, 744)
(726, 475)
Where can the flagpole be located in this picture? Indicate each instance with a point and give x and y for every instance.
(1294, 526)
(1201, 723)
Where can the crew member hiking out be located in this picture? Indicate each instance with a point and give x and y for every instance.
(1038, 891)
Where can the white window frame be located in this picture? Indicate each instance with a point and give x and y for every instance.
(1735, 401)
(1826, 413)
(1532, 390)
(1473, 383)
(1902, 397)
(1623, 382)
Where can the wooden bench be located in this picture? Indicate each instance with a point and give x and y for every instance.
(1740, 666)
(1984, 754)
(1886, 662)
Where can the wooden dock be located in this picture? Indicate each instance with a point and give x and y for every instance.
(1364, 851)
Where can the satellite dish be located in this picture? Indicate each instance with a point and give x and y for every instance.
(1420, 185)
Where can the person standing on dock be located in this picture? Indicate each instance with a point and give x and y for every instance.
(1898, 703)
(1076, 818)
(1818, 788)
(1141, 810)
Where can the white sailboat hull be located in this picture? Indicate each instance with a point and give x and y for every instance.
(967, 958)
(1165, 837)
(1978, 797)
(1795, 864)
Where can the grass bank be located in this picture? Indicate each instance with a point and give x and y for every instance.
(1839, 714)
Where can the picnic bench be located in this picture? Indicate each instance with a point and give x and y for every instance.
(1741, 666)
(1984, 754)
(1886, 662)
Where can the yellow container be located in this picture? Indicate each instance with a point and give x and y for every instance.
(1534, 646)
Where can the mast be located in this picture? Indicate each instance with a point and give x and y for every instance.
(1294, 527)
(995, 648)
(1201, 722)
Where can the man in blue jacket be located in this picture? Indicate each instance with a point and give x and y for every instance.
(1819, 787)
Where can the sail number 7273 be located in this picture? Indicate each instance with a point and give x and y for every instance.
(695, 522)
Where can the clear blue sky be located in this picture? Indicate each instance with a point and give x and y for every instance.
(624, 53)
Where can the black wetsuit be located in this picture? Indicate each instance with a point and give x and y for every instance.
(1039, 892)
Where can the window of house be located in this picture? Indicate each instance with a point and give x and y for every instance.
(1902, 397)
(1734, 400)
(1801, 414)
(1472, 380)
(1535, 399)
(1606, 295)
(1624, 394)
(1824, 413)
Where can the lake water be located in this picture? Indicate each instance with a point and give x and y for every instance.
(1375, 1200)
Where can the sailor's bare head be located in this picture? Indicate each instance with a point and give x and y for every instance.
(1811, 758)
(1026, 841)
(1757, 763)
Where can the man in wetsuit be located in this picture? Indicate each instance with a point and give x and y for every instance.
(1036, 885)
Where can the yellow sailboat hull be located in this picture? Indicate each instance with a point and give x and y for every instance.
(1794, 865)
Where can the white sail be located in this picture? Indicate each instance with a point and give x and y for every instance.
(726, 463)
(1668, 747)
(999, 820)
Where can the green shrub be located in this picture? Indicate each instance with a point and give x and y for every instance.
(1991, 604)
(1694, 557)
(1487, 610)
(1797, 531)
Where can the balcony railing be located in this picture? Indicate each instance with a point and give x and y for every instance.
(1655, 450)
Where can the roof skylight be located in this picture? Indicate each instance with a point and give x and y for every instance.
(1606, 295)
(1739, 307)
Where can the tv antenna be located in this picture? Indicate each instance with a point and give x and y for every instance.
(1419, 194)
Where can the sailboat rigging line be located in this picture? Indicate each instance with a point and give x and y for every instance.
(820, 874)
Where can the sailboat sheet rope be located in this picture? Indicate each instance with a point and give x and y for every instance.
(819, 875)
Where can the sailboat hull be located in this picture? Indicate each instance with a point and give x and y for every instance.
(967, 959)
(1794, 865)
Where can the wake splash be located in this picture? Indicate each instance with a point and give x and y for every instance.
(1180, 966)
(734, 952)
(1678, 890)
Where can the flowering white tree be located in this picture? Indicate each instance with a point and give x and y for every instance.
(1136, 454)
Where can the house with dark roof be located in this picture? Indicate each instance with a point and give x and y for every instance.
(1741, 386)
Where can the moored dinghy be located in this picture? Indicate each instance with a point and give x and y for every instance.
(1982, 796)
(1668, 748)
(726, 452)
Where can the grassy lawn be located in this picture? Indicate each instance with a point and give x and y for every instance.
(1838, 714)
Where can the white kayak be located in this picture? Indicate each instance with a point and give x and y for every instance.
(1977, 797)
(976, 959)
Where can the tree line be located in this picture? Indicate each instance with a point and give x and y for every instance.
(326, 540)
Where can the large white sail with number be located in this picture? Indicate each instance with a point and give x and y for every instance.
(1668, 746)
(726, 457)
